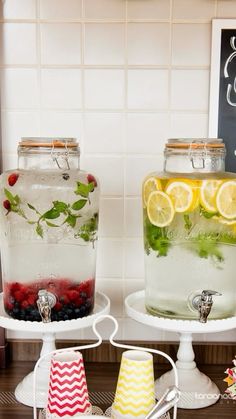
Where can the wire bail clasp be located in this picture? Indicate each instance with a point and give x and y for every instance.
(197, 159)
(64, 156)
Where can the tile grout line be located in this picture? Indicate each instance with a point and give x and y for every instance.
(39, 69)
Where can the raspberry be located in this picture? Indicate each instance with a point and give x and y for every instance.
(72, 295)
(79, 302)
(31, 300)
(12, 179)
(58, 306)
(90, 179)
(7, 205)
(15, 286)
(64, 299)
(19, 296)
(87, 287)
(24, 304)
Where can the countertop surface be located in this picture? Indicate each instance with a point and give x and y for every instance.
(101, 380)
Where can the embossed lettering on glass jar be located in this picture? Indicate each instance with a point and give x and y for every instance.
(189, 217)
(49, 222)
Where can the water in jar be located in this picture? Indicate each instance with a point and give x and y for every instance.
(49, 226)
(190, 242)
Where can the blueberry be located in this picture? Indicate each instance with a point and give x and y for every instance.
(66, 317)
(82, 311)
(77, 312)
(15, 310)
(35, 315)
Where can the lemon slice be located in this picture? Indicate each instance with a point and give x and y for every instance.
(183, 195)
(150, 185)
(160, 209)
(226, 199)
(208, 192)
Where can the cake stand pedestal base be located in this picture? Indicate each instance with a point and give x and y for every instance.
(24, 390)
(197, 390)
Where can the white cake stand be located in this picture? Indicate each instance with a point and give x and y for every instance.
(197, 390)
(24, 390)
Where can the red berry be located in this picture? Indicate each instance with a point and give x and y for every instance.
(7, 205)
(91, 179)
(31, 300)
(58, 306)
(64, 299)
(19, 296)
(24, 304)
(72, 295)
(12, 179)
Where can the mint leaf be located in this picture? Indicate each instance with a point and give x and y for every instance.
(88, 231)
(17, 199)
(60, 206)
(207, 245)
(71, 220)
(9, 196)
(207, 214)
(31, 207)
(79, 204)
(51, 224)
(82, 189)
(188, 223)
(51, 214)
(91, 186)
(155, 238)
(39, 230)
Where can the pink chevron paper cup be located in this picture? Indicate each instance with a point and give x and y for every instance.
(68, 392)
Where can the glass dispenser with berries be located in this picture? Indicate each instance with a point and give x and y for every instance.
(49, 222)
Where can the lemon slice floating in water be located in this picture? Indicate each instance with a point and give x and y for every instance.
(226, 199)
(208, 193)
(183, 194)
(160, 209)
(150, 185)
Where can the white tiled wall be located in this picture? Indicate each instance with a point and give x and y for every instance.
(122, 76)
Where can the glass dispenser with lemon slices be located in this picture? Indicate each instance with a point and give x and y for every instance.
(189, 217)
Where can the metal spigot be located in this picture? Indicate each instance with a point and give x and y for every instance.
(203, 303)
(45, 302)
(166, 402)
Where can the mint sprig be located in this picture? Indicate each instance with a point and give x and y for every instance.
(155, 238)
(65, 213)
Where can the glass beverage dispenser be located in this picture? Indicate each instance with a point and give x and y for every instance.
(189, 216)
(49, 221)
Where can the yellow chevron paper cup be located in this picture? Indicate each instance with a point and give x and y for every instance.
(68, 392)
(135, 395)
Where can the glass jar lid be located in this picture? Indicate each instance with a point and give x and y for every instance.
(196, 143)
(48, 143)
(205, 154)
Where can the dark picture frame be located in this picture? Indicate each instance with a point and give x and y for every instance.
(222, 106)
